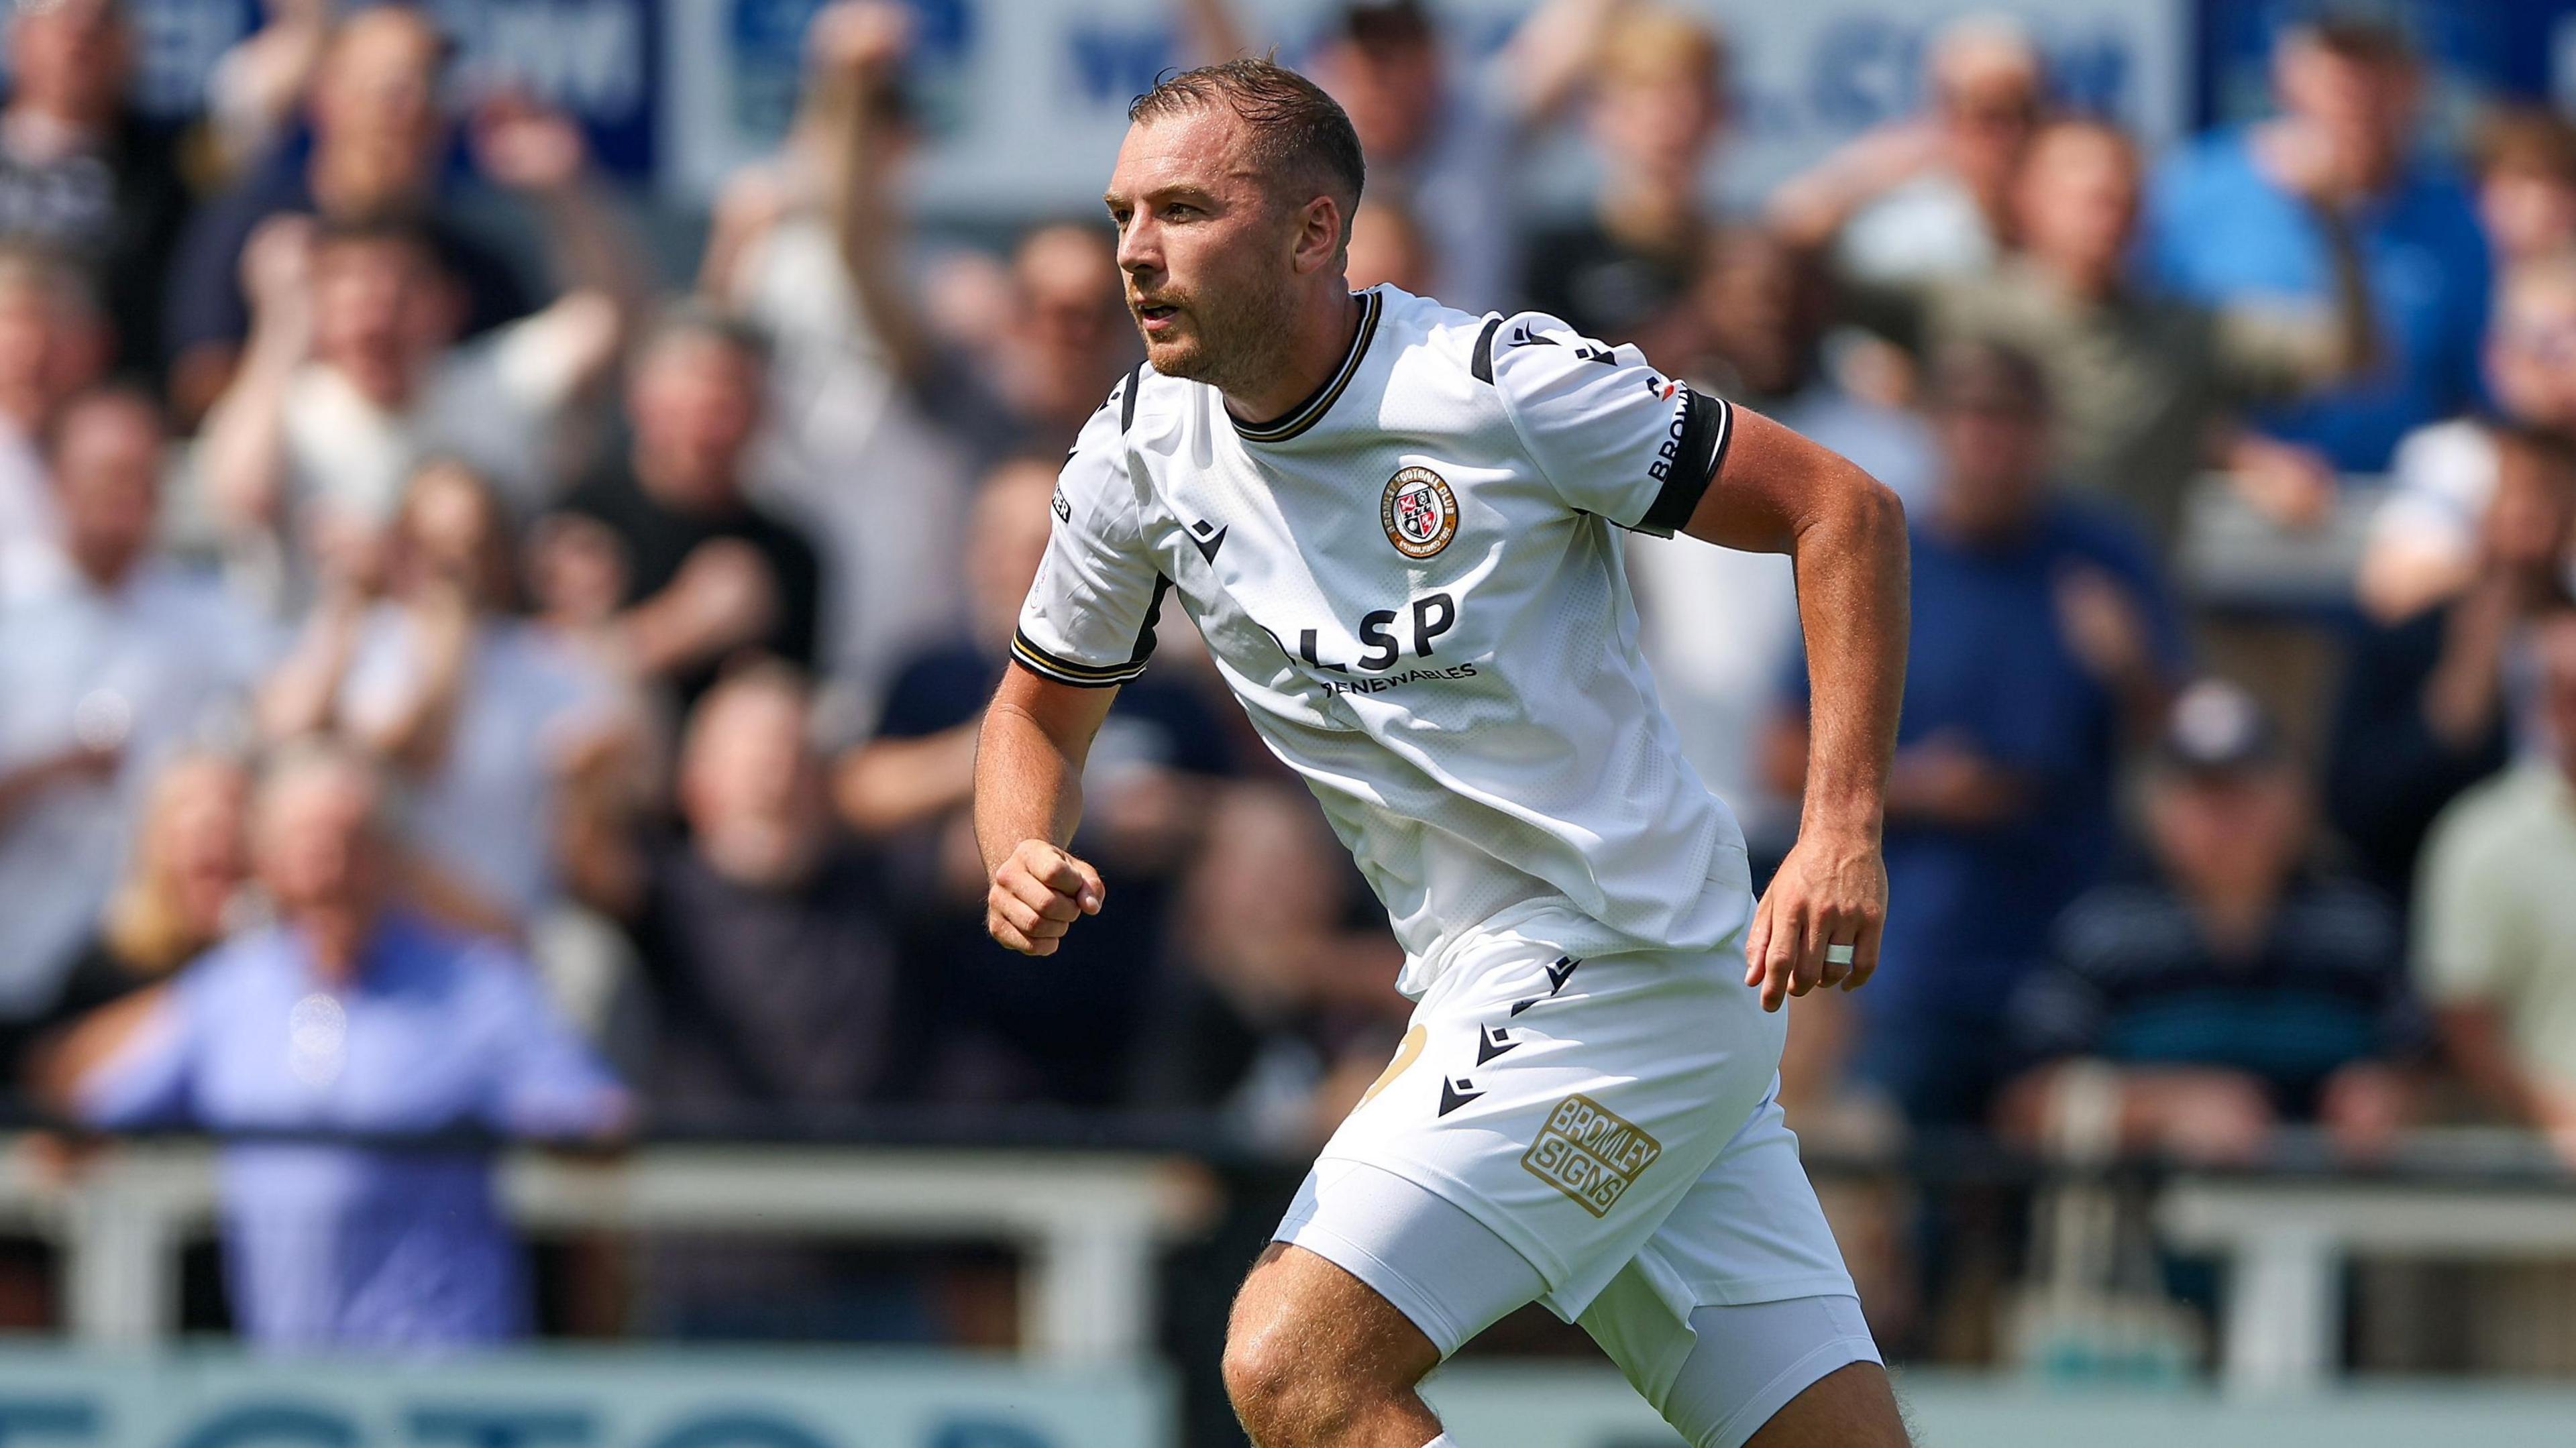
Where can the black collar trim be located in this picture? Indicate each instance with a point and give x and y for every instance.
(1311, 411)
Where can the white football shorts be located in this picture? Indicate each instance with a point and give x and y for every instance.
(1612, 1120)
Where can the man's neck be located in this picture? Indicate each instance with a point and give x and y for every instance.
(1312, 356)
(106, 574)
(335, 941)
(696, 497)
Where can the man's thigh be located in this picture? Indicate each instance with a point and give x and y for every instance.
(1437, 1267)
(1306, 1308)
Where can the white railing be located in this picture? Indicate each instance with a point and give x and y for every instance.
(1088, 1224)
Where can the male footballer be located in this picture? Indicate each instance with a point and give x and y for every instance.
(1395, 524)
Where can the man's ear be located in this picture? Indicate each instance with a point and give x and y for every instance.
(1319, 234)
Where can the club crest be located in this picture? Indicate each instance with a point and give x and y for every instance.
(1419, 512)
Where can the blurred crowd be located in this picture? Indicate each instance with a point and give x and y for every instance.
(452, 664)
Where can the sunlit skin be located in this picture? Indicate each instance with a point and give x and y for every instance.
(1230, 284)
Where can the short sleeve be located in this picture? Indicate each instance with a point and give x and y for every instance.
(1089, 618)
(1613, 436)
(546, 1082)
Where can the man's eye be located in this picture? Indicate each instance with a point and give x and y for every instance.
(1179, 210)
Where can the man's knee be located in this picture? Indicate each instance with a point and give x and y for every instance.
(1310, 1348)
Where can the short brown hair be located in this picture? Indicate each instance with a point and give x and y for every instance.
(1297, 130)
(2527, 141)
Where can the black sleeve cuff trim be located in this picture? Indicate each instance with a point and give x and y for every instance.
(1708, 424)
(1045, 665)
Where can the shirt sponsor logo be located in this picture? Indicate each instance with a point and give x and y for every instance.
(1662, 467)
(1590, 1153)
(1385, 682)
(1419, 512)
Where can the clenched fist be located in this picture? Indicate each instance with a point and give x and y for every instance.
(1037, 894)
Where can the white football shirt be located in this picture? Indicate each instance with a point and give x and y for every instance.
(1414, 585)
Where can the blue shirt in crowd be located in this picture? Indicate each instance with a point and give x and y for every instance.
(2218, 230)
(344, 1246)
(1969, 910)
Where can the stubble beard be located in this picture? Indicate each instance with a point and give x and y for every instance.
(1235, 345)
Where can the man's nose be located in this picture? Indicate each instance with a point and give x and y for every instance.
(1140, 249)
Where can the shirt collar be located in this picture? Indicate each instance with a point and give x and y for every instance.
(1311, 411)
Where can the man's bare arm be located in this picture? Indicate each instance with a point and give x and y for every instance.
(1028, 797)
(1776, 492)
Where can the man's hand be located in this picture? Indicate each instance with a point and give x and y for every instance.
(1037, 894)
(1831, 891)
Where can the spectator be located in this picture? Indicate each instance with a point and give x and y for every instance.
(1928, 197)
(495, 729)
(2142, 384)
(1442, 134)
(812, 246)
(764, 936)
(53, 345)
(123, 660)
(1387, 246)
(2526, 174)
(2040, 629)
(707, 572)
(349, 1015)
(2237, 216)
(1064, 342)
(1755, 314)
(181, 893)
(379, 144)
(85, 174)
(1657, 102)
(2495, 943)
(1283, 1017)
(352, 380)
(2234, 984)
(2430, 703)
(1065, 1033)
(2423, 543)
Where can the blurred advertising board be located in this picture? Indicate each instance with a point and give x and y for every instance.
(645, 1398)
(1022, 97)
(1537, 1406)
(1024, 100)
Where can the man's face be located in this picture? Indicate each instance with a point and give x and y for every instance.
(317, 839)
(71, 55)
(2078, 198)
(1011, 526)
(1207, 251)
(376, 95)
(1996, 451)
(1389, 88)
(1067, 281)
(1659, 124)
(696, 408)
(2240, 823)
(747, 761)
(49, 349)
(2527, 525)
(1753, 303)
(2531, 355)
(378, 303)
(107, 474)
(2368, 106)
